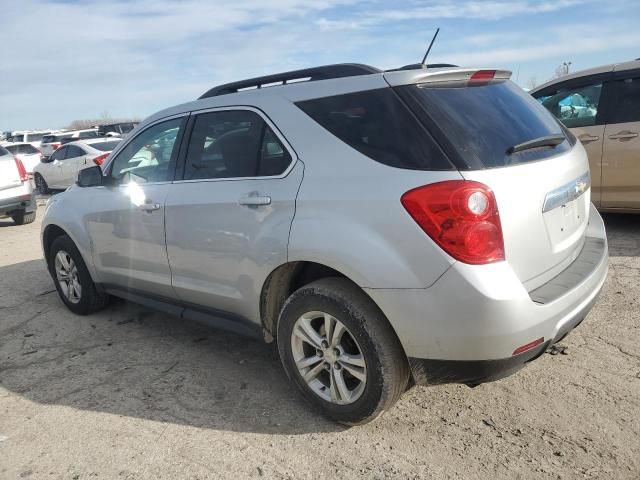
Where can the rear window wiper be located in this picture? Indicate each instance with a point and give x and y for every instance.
(547, 141)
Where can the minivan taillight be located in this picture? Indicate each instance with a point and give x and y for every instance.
(100, 160)
(55, 146)
(21, 170)
(461, 217)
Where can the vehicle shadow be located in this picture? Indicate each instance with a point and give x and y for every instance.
(623, 234)
(131, 361)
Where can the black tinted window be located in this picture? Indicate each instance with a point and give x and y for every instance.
(3, 151)
(105, 146)
(59, 154)
(233, 144)
(627, 108)
(89, 134)
(478, 124)
(25, 148)
(74, 151)
(378, 125)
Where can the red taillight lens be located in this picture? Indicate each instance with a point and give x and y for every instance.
(21, 170)
(55, 146)
(482, 76)
(461, 217)
(100, 160)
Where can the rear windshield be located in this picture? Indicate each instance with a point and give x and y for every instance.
(26, 149)
(104, 146)
(54, 138)
(377, 124)
(476, 125)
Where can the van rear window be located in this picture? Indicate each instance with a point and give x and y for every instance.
(477, 125)
(377, 124)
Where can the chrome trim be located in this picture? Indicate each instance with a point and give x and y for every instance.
(567, 193)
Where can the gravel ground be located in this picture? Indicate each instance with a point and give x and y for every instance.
(130, 393)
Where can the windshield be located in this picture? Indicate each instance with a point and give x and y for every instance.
(479, 125)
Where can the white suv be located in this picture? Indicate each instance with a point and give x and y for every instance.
(17, 199)
(426, 225)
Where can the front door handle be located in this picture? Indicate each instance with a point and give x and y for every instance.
(624, 135)
(255, 199)
(586, 138)
(149, 207)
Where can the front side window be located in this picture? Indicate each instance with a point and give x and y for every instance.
(233, 144)
(147, 158)
(627, 107)
(575, 107)
(59, 154)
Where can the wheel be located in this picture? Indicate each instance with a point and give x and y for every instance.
(23, 218)
(41, 184)
(72, 279)
(341, 352)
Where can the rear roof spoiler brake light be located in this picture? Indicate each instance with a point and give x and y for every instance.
(444, 76)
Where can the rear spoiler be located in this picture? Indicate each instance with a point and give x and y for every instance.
(447, 76)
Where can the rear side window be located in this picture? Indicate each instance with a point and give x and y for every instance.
(234, 144)
(34, 137)
(89, 134)
(627, 107)
(3, 151)
(477, 125)
(378, 125)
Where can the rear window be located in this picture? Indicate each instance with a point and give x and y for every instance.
(378, 125)
(476, 125)
(26, 149)
(104, 146)
(54, 138)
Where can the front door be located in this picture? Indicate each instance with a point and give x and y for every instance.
(228, 219)
(71, 164)
(53, 171)
(127, 224)
(621, 154)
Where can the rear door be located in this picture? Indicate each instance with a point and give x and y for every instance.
(621, 154)
(581, 105)
(542, 192)
(229, 216)
(127, 219)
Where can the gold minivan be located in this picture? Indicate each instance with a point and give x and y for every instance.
(601, 106)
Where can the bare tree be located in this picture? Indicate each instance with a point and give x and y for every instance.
(532, 82)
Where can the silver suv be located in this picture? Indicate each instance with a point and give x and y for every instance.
(418, 226)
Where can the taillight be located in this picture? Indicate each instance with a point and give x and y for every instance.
(100, 160)
(482, 76)
(461, 217)
(55, 146)
(21, 170)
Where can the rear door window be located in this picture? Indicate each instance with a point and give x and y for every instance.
(478, 124)
(74, 151)
(627, 103)
(377, 124)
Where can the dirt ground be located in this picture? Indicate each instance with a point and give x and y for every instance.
(130, 393)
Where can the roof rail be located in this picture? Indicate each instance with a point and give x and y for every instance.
(308, 74)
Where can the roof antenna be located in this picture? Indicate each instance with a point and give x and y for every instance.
(424, 59)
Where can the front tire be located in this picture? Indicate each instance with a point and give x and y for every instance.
(341, 352)
(72, 279)
(41, 184)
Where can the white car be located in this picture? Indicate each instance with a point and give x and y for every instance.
(50, 143)
(26, 136)
(60, 170)
(17, 199)
(29, 155)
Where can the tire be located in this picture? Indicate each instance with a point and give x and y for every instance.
(89, 300)
(23, 218)
(385, 370)
(41, 184)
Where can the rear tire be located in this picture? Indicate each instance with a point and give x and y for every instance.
(72, 279)
(353, 380)
(41, 184)
(23, 218)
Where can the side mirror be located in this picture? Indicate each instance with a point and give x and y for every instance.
(90, 177)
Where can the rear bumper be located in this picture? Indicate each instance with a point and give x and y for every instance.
(466, 326)
(26, 202)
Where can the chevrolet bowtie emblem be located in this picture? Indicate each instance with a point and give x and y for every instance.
(581, 187)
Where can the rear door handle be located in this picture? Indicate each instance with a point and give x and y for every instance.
(149, 207)
(586, 138)
(623, 135)
(255, 200)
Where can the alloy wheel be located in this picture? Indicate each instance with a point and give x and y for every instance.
(67, 276)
